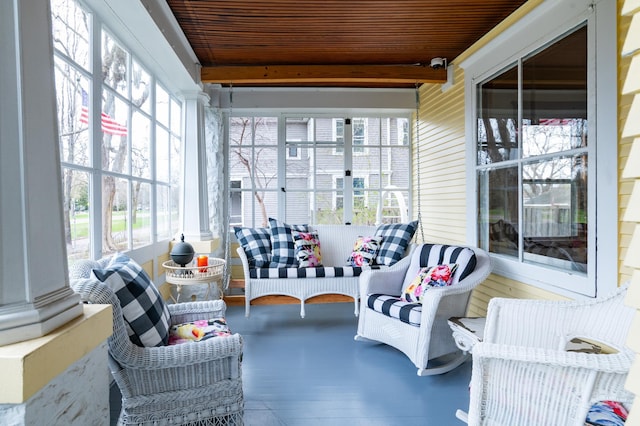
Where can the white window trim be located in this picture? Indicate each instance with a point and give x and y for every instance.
(545, 23)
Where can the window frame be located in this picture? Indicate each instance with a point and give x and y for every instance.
(537, 29)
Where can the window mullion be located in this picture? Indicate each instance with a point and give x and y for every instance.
(95, 135)
(282, 169)
(520, 150)
(347, 193)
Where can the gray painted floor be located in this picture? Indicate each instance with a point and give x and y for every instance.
(311, 372)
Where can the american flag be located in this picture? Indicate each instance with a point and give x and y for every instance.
(109, 125)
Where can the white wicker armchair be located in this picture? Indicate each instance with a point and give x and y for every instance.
(523, 374)
(192, 383)
(427, 341)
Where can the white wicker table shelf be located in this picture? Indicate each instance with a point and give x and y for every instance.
(195, 275)
(467, 331)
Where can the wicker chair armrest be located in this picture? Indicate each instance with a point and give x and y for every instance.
(191, 311)
(94, 291)
(457, 294)
(162, 357)
(617, 363)
(386, 281)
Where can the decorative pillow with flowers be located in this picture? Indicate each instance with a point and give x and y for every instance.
(607, 413)
(364, 252)
(307, 249)
(430, 276)
(199, 330)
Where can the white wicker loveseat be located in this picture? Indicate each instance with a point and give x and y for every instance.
(334, 277)
(524, 375)
(420, 329)
(183, 384)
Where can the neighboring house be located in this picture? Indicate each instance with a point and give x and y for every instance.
(319, 182)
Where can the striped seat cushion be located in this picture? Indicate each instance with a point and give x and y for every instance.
(318, 272)
(393, 307)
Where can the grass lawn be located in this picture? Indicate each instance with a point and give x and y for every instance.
(80, 223)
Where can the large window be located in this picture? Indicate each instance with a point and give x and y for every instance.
(532, 185)
(345, 169)
(120, 140)
(537, 119)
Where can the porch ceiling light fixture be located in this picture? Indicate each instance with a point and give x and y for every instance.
(437, 63)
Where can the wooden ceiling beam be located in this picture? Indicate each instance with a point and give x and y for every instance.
(305, 74)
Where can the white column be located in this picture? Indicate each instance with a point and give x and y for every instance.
(35, 296)
(194, 208)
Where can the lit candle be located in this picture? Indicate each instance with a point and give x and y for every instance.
(203, 260)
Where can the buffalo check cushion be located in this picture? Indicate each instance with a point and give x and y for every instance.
(145, 313)
(256, 243)
(395, 240)
(283, 251)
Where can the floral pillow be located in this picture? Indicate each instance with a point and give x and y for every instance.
(307, 249)
(607, 413)
(199, 330)
(431, 276)
(364, 252)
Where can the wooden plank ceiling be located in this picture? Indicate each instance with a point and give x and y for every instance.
(369, 43)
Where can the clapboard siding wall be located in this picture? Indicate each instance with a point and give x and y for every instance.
(441, 180)
(625, 186)
(629, 152)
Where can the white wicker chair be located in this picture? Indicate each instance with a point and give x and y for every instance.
(430, 346)
(192, 383)
(522, 374)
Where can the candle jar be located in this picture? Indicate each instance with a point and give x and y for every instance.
(203, 260)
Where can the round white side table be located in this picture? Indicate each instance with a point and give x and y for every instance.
(194, 275)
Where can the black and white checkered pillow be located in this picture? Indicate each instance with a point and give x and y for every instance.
(256, 243)
(145, 313)
(395, 240)
(283, 249)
